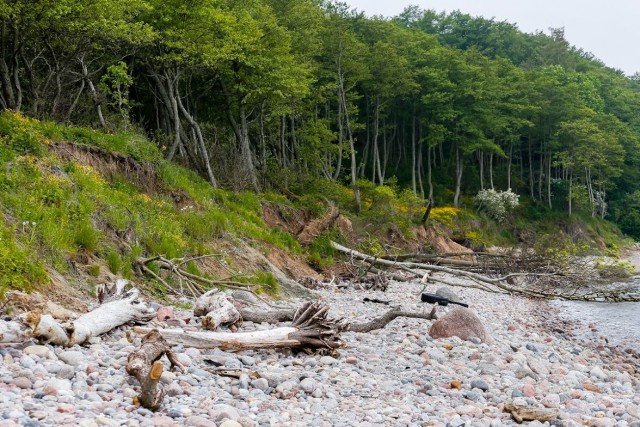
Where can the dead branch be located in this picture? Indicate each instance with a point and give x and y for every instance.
(382, 321)
(276, 316)
(500, 284)
(193, 282)
(144, 364)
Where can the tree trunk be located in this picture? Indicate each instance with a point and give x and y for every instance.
(199, 139)
(94, 95)
(144, 364)
(509, 165)
(98, 321)
(459, 170)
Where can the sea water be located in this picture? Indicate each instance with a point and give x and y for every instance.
(618, 322)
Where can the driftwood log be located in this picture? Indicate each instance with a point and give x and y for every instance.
(102, 319)
(310, 329)
(530, 413)
(144, 364)
(217, 309)
(277, 316)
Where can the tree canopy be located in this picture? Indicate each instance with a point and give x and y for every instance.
(274, 94)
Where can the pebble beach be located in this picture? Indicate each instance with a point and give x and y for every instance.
(396, 376)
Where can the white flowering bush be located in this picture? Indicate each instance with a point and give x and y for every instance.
(496, 203)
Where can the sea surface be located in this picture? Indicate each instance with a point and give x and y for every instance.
(619, 322)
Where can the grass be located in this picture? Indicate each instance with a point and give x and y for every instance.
(57, 209)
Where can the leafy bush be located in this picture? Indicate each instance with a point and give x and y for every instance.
(496, 203)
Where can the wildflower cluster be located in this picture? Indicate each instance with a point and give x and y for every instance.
(496, 203)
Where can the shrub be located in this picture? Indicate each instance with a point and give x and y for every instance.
(496, 203)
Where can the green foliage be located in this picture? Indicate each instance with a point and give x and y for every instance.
(114, 261)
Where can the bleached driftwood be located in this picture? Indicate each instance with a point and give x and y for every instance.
(283, 315)
(13, 332)
(310, 329)
(100, 320)
(530, 413)
(144, 364)
(218, 310)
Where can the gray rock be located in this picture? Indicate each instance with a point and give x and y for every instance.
(308, 385)
(488, 369)
(66, 372)
(38, 350)
(327, 360)
(222, 411)
(260, 384)
(72, 357)
(532, 347)
(198, 421)
(480, 384)
(247, 360)
(174, 390)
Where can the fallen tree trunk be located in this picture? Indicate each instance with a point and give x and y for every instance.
(102, 319)
(144, 364)
(310, 329)
(277, 316)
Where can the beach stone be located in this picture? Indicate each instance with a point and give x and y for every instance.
(71, 357)
(460, 322)
(446, 292)
(598, 373)
(230, 423)
(537, 366)
(327, 360)
(247, 422)
(165, 313)
(222, 411)
(54, 385)
(480, 384)
(308, 385)
(198, 421)
(66, 372)
(260, 383)
(38, 350)
(528, 390)
(551, 400)
(22, 382)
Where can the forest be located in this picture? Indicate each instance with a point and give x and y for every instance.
(284, 95)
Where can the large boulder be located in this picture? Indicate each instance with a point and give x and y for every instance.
(461, 322)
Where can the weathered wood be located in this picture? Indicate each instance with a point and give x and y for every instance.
(102, 319)
(382, 321)
(144, 364)
(13, 332)
(218, 310)
(277, 316)
(310, 329)
(530, 413)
